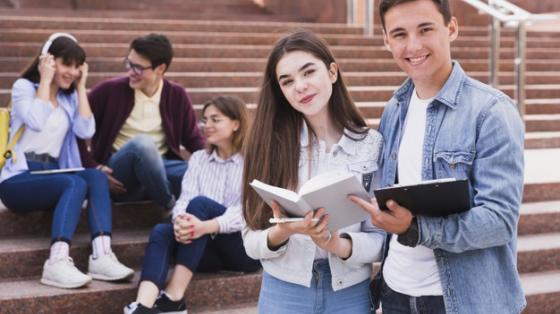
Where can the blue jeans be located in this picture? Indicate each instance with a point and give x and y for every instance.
(146, 174)
(65, 193)
(281, 297)
(223, 252)
(393, 302)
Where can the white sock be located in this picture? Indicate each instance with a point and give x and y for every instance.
(162, 292)
(131, 307)
(101, 245)
(59, 250)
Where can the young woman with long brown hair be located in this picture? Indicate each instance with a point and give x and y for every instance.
(306, 124)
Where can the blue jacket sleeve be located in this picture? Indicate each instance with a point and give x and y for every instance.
(497, 186)
(33, 111)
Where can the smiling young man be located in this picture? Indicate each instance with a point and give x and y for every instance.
(441, 123)
(141, 121)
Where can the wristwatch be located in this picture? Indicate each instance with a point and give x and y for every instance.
(410, 236)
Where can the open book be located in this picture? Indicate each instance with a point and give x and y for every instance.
(439, 197)
(329, 190)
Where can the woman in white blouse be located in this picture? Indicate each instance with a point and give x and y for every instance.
(307, 124)
(205, 233)
(50, 103)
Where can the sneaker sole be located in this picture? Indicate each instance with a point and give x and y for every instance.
(106, 278)
(48, 282)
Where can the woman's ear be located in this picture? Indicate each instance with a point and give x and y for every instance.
(333, 72)
(236, 125)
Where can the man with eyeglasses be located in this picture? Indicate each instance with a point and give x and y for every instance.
(142, 119)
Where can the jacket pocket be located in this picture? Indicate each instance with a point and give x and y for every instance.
(364, 170)
(453, 164)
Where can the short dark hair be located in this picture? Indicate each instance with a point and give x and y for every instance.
(62, 47)
(442, 5)
(154, 47)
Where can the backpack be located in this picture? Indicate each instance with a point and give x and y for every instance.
(5, 146)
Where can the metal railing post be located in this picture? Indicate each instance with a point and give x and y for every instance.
(520, 60)
(350, 15)
(494, 56)
(368, 28)
(509, 14)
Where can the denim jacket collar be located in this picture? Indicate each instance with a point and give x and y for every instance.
(345, 143)
(447, 95)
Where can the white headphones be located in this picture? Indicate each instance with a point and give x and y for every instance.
(54, 36)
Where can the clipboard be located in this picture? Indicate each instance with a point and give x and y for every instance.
(436, 198)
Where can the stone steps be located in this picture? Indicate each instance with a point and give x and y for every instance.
(538, 254)
(27, 25)
(191, 6)
(24, 257)
(114, 64)
(23, 248)
(536, 217)
(216, 55)
(242, 38)
(252, 79)
(542, 292)
(103, 49)
(542, 140)
(176, 9)
(207, 291)
(358, 93)
(539, 217)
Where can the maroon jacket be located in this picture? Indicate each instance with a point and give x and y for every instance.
(112, 101)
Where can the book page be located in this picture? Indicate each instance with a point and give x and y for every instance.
(290, 201)
(323, 180)
(334, 198)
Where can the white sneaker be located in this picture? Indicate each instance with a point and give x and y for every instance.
(108, 267)
(63, 274)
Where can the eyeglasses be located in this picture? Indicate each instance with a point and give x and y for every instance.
(212, 121)
(136, 68)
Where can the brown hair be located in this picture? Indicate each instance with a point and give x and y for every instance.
(235, 109)
(442, 6)
(272, 155)
(62, 47)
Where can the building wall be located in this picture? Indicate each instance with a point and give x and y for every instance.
(334, 11)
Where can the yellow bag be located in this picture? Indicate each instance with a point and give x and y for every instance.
(5, 147)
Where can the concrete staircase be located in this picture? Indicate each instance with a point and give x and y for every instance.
(215, 57)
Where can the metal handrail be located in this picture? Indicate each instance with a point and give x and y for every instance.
(510, 15)
(368, 15)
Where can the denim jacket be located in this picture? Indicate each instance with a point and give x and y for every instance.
(33, 112)
(293, 262)
(472, 131)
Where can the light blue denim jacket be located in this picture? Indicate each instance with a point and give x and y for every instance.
(472, 131)
(33, 112)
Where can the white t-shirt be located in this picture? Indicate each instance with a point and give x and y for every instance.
(49, 139)
(412, 271)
